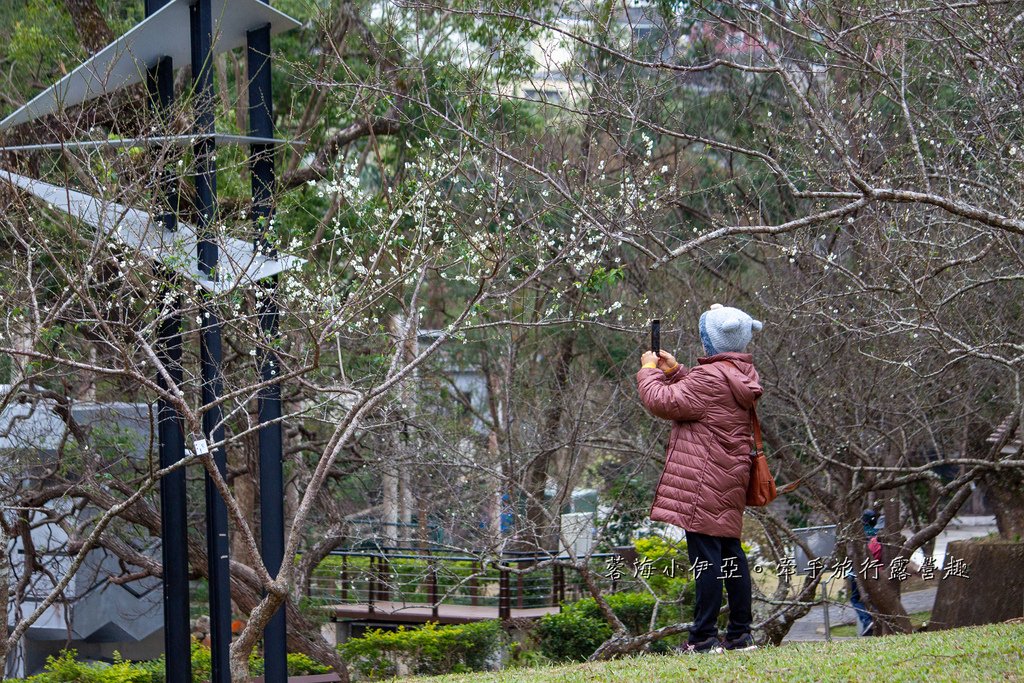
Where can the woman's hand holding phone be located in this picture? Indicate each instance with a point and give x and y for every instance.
(663, 360)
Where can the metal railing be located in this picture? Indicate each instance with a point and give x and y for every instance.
(417, 578)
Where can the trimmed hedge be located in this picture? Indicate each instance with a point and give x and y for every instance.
(431, 649)
(64, 668)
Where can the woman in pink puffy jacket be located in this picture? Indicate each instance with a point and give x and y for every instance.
(703, 486)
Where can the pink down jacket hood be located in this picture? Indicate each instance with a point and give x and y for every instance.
(703, 487)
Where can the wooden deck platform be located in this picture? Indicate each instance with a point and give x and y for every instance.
(418, 613)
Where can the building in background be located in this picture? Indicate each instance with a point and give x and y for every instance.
(94, 615)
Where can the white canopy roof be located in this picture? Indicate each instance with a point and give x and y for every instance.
(238, 263)
(165, 33)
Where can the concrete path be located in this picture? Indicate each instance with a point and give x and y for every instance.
(812, 626)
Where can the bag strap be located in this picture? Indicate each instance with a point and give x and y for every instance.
(755, 424)
(758, 442)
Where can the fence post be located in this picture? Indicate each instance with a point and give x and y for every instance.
(433, 585)
(504, 599)
(474, 569)
(344, 578)
(372, 587)
(384, 585)
(519, 586)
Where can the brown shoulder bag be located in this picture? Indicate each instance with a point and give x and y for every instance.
(761, 488)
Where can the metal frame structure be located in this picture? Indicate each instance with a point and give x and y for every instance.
(261, 127)
(173, 508)
(240, 265)
(127, 60)
(219, 139)
(148, 53)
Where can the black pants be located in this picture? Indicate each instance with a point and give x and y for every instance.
(712, 558)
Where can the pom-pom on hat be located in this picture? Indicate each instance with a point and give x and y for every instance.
(724, 329)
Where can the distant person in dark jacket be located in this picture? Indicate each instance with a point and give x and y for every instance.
(869, 519)
(703, 488)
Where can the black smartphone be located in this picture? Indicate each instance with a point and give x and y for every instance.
(656, 335)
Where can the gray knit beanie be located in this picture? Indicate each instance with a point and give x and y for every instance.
(724, 329)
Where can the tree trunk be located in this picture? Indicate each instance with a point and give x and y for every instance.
(408, 398)
(303, 636)
(543, 531)
(389, 504)
(243, 459)
(91, 27)
(5, 594)
(882, 591)
(884, 594)
(1006, 493)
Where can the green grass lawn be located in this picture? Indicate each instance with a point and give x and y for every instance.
(917, 620)
(984, 653)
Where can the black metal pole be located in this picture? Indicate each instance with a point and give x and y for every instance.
(173, 502)
(201, 15)
(261, 158)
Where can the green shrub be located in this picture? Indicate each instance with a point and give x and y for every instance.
(661, 551)
(668, 563)
(431, 649)
(156, 668)
(302, 665)
(668, 576)
(579, 629)
(298, 664)
(633, 609)
(64, 668)
(524, 655)
(571, 635)
(202, 663)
